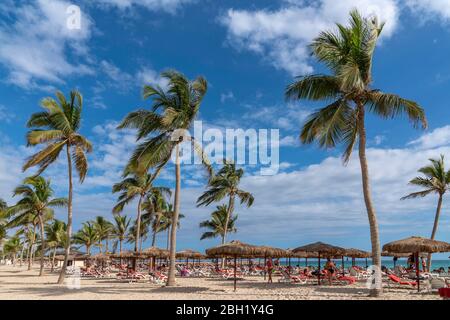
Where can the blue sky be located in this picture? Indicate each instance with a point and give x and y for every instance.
(248, 51)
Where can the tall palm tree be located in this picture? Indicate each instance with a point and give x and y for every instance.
(57, 127)
(219, 218)
(154, 207)
(139, 238)
(348, 53)
(104, 229)
(226, 184)
(120, 230)
(37, 200)
(137, 186)
(3, 220)
(436, 181)
(163, 130)
(12, 247)
(55, 234)
(87, 236)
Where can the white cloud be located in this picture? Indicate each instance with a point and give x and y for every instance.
(154, 5)
(6, 115)
(428, 9)
(282, 36)
(288, 117)
(226, 96)
(35, 45)
(433, 139)
(149, 76)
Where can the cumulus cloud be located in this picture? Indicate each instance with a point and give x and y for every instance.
(282, 36)
(428, 9)
(155, 5)
(437, 137)
(35, 46)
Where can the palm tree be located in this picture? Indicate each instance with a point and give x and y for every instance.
(120, 230)
(135, 237)
(226, 184)
(55, 234)
(217, 223)
(137, 186)
(163, 128)
(87, 236)
(37, 200)
(57, 127)
(12, 247)
(437, 181)
(3, 220)
(154, 207)
(348, 53)
(104, 229)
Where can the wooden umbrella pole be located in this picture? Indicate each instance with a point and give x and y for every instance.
(289, 266)
(417, 271)
(343, 266)
(235, 274)
(318, 274)
(265, 266)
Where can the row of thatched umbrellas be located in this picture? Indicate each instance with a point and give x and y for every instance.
(400, 248)
(235, 249)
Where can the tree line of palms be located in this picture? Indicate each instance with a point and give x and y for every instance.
(347, 92)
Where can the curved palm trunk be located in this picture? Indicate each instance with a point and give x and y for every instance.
(43, 245)
(154, 238)
(374, 232)
(30, 249)
(227, 221)
(435, 226)
(53, 259)
(173, 230)
(69, 220)
(138, 231)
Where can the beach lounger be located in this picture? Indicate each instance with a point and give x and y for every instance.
(402, 282)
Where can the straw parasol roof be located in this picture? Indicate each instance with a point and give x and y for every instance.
(235, 248)
(124, 254)
(417, 244)
(399, 255)
(100, 256)
(155, 252)
(321, 248)
(356, 253)
(189, 254)
(272, 252)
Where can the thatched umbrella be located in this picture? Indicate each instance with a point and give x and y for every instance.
(189, 254)
(356, 253)
(153, 253)
(322, 250)
(417, 245)
(234, 249)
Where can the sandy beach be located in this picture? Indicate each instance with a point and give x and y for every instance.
(16, 283)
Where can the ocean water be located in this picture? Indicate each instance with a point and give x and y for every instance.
(389, 263)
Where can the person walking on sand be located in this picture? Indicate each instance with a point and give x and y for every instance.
(330, 268)
(270, 269)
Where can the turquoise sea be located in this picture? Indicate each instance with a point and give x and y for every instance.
(389, 263)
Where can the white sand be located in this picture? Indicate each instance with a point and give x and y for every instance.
(18, 283)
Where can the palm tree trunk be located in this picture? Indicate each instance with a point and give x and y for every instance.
(88, 250)
(435, 226)
(30, 249)
(374, 232)
(154, 238)
(120, 251)
(43, 245)
(227, 221)
(168, 239)
(53, 259)
(173, 230)
(138, 231)
(69, 219)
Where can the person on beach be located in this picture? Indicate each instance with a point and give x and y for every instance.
(330, 268)
(270, 269)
